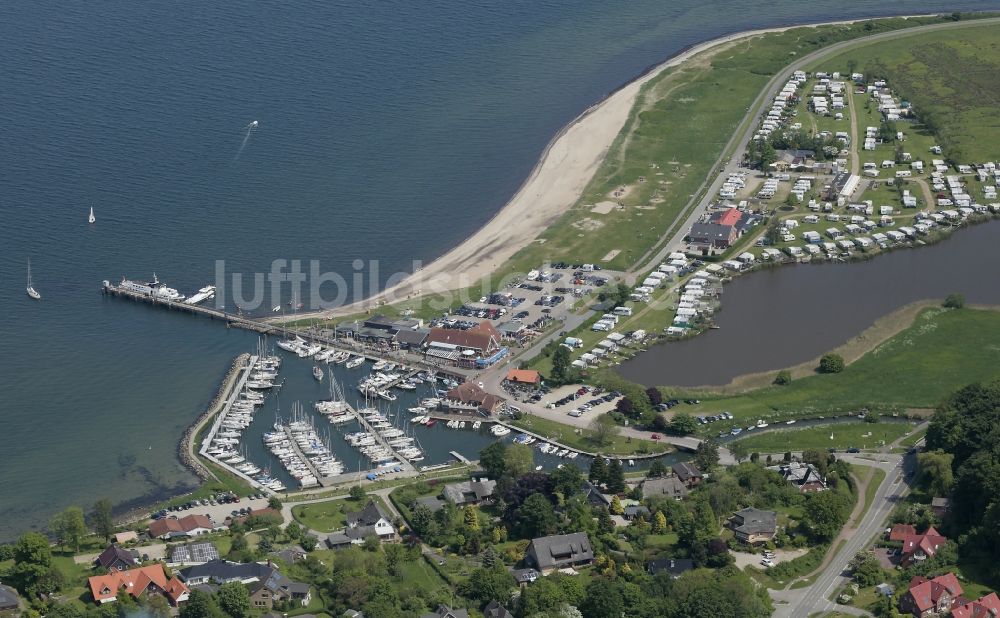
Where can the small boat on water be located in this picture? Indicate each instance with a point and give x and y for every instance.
(791, 422)
(32, 292)
(91, 218)
(317, 373)
(431, 422)
(477, 424)
(761, 424)
(357, 361)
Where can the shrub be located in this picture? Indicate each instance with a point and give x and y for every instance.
(784, 377)
(831, 363)
(954, 301)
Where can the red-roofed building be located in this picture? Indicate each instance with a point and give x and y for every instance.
(137, 582)
(986, 607)
(483, 339)
(189, 525)
(899, 532)
(730, 216)
(469, 398)
(524, 376)
(917, 547)
(927, 597)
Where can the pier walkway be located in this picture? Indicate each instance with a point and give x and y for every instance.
(230, 397)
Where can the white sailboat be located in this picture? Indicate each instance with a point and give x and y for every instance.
(32, 292)
(91, 218)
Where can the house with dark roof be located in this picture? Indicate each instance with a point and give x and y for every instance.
(469, 492)
(194, 553)
(278, 588)
(115, 558)
(675, 567)
(668, 487)
(434, 503)
(138, 582)
(223, 571)
(687, 473)
(495, 610)
(470, 398)
(443, 611)
(635, 511)
(940, 507)
(803, 475)
(593, 495)
(985, 607)
(753, 526)
(369, 521)
(713, 235)
(9, 599)
(929, 597)
(550, 553)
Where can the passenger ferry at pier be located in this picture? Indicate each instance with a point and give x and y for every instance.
(151, 288)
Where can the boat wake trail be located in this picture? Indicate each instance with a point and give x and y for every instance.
(246, 139)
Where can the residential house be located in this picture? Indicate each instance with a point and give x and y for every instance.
(929, 597)
(687, 473)
(369, 521)
(592, 494)
(469, 492)
(550, 553)
(635, 511)
(753, 526)
(194, 553)
(940, 507)
(148, 580)
(264, 581)
(9, 600)
(805, 476)
(668, 486)
(713, 235)
(189, 525)
(434, 503)
(495, 610)
(985, 607)
(674, 566)
(470, 398)
(443, 611)
(916, 547)
(115, 558)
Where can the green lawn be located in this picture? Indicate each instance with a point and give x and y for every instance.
(566, 434)
(948, 75)
(918, 368)
(329, 516)
(913, 438)
(845, 435)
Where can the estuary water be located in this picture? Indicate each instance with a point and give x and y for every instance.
(386, 131)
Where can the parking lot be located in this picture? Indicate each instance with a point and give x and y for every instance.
(220, 510)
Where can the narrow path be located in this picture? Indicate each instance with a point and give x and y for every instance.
(855, 157)
(926, 190)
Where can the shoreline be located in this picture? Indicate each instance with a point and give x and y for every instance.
(881, 330)
(564, 168)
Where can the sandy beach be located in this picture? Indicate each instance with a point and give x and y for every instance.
(559, 178)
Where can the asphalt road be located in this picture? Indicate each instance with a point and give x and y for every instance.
(804, 602)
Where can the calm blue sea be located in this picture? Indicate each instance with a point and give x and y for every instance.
(388, 130)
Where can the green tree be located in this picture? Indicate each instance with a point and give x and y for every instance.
(783, 378)
(824, 514)
(706, 456)
(357, 493)
(492, 459)
(561, 364)
(866, 570)
(683, 424)
(598, 471)
(659, 523)
(935, 469)
(101, 519)
(395, 557)
(616, 506)
(471, 517)
(234, 599)
(308, 542)
(489, 584)
(566, 481)
(421, 519)
(954, 301)
(69, 527)
(518, 460)
(602, 429)
(536, 516)
(604, 599)
(614, 480)
(200, 605)
(274, 503)
(654, 395)
(739, 451)
(831, 363)
(656, 469)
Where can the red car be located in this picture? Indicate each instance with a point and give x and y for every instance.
(655, 436)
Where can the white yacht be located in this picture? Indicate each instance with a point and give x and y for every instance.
(91, 218)
(32, 292)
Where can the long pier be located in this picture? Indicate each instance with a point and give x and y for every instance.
(302, 456)
(403, 462)
(257, 325)
(230, 397)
